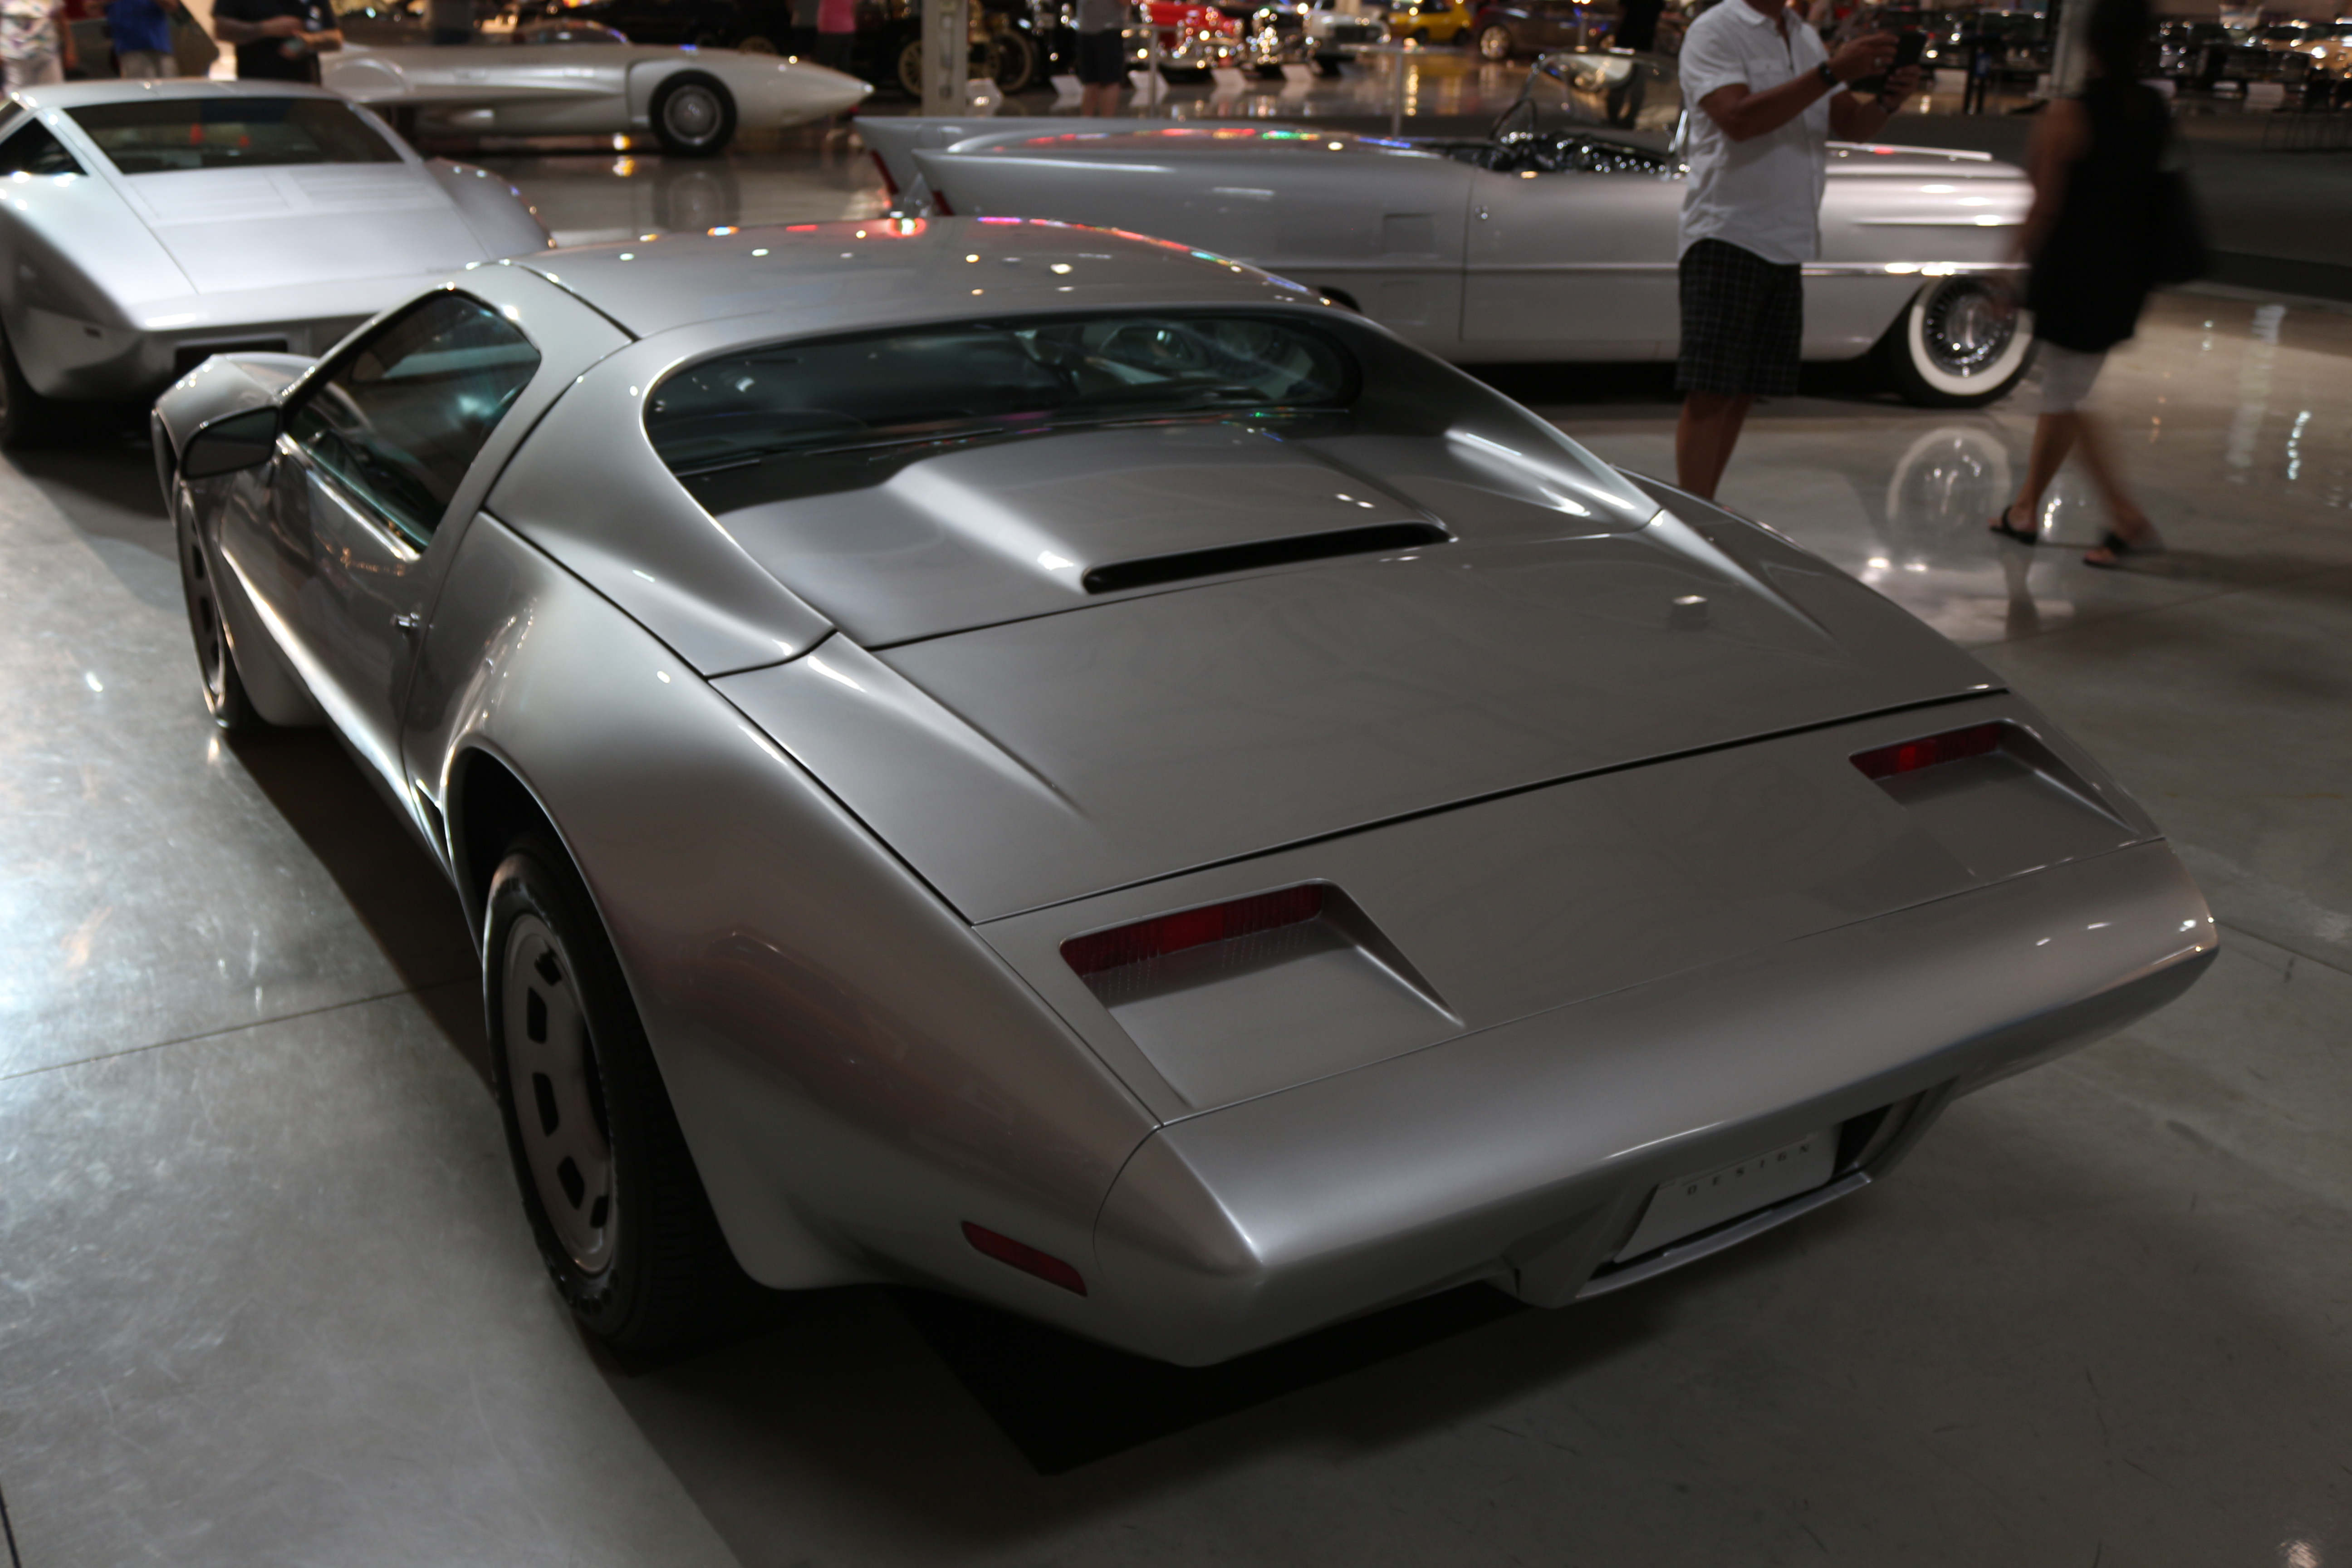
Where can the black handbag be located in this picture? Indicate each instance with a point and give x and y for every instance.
(2176, 251)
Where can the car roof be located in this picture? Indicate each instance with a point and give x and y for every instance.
(802, 279)
(74, 94)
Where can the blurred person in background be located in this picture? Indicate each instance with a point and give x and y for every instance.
(1768, 95)
(276, 40)
(2090, 236)
(141, 31)
(452, 20)
(836, 33)
(35, 44)
(1102, 54)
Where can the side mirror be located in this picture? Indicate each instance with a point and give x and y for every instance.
(240, 441)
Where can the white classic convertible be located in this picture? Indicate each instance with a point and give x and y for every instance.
(1551, 238)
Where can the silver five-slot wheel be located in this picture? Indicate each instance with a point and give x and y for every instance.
(224, 696)
(607, 1183)
(561, 1123)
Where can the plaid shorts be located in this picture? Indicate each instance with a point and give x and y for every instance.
(1743, 322)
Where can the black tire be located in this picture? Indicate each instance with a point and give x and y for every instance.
(1329, 65)
(627, 1235)
(757, 44)
(1952, 346)
(1495, 43)
(26, 418)
(910, 68)
(1017, 62)
(694, 116)
(224, 690)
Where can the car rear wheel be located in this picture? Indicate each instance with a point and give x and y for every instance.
(693, 116)
(757, 44)
(224, 696)
(1957, 345)
(1494, 42)
(910, 68)
(608, 1184)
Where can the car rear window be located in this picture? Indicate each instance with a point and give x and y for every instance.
(982, 378)
(160, 135)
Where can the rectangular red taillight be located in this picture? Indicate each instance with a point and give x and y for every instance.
(1025, 1258)
(1164, 934)
(1951, 746)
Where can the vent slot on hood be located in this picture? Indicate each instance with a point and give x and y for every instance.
(1147, 571)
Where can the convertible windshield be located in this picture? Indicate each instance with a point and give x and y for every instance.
(160, 135)
(989, 377)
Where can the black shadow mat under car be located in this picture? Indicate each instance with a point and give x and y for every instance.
(1067, 1402)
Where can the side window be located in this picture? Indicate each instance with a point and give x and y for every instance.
(399, 422)
(34, 149)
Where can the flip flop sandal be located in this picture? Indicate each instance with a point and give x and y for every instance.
(2027, 536)
(2117, 547)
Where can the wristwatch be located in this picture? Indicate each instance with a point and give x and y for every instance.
(1827, 76)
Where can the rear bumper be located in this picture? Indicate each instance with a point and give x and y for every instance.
(1525, 1153)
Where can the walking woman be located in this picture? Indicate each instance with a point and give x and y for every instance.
(2094, 162)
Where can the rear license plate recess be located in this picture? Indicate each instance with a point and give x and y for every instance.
(1701, 1202)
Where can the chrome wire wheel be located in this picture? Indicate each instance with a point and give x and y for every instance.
(559, 1108)
(1963, 328)
(1494, 43)
(1960, 344)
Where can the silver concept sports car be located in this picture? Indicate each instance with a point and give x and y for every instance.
(1060, 767)
(1555, 244)
(149, 224)
(692, 99)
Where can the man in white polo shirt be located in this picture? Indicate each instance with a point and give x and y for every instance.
(1769, 96)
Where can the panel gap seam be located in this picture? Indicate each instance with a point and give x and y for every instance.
(236, 1028)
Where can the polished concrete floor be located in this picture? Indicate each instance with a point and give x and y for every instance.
(266, 1295)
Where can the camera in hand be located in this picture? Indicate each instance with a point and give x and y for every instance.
(1908, 45)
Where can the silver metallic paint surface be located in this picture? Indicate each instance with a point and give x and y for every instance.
(105, 278)
(1235, 1230)
(1470, 263)
(533, 90)
(1742, 944)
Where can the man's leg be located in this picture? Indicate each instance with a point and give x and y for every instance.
(1708, 430)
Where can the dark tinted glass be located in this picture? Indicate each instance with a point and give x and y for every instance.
(978, 377)
(34, 151)
(401, 420)
(157, 135)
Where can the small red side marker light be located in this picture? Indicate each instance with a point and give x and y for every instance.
(1164, 934)
(1952, 746)
(1025, 1258)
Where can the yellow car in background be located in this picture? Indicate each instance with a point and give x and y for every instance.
(1430, 21)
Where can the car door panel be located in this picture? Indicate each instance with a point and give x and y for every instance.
(1572, 264)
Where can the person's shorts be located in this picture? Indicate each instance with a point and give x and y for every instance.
(2067, 377)
(145, 65)
(35, 71)
(1743, 322)
(1102, 58)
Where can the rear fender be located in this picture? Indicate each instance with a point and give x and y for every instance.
(845, 1120)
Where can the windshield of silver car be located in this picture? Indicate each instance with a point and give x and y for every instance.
(162, 135)
(992, 378)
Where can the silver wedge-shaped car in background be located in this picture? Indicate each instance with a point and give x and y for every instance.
(692, 101)
(1057, 767)
(149, 224)
(1552, 238)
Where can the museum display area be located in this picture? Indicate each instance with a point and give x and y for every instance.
(1261, 950)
